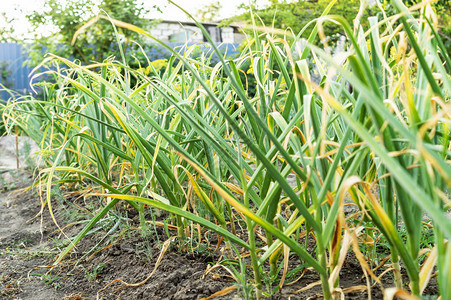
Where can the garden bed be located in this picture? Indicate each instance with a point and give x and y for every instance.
(29, 242)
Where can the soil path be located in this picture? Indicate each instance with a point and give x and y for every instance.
(21, 251)
(28, 242)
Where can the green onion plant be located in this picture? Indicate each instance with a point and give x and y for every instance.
(272, 172)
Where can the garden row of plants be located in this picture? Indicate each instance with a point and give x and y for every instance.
(191, 140)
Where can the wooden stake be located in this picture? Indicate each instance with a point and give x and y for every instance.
(17, 148)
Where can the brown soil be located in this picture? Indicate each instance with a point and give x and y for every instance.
(29, 242)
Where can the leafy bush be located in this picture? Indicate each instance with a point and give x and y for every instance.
(66, 17)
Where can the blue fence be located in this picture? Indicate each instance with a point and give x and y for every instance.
(14, 73)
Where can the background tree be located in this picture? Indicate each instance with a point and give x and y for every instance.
(284, 14)
(210, 12)
(7, 31)
(59, 20)
(296, 14)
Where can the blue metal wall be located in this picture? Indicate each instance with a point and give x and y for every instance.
(12, 58)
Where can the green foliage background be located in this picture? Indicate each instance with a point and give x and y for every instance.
(98, 42)
(295, 15)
